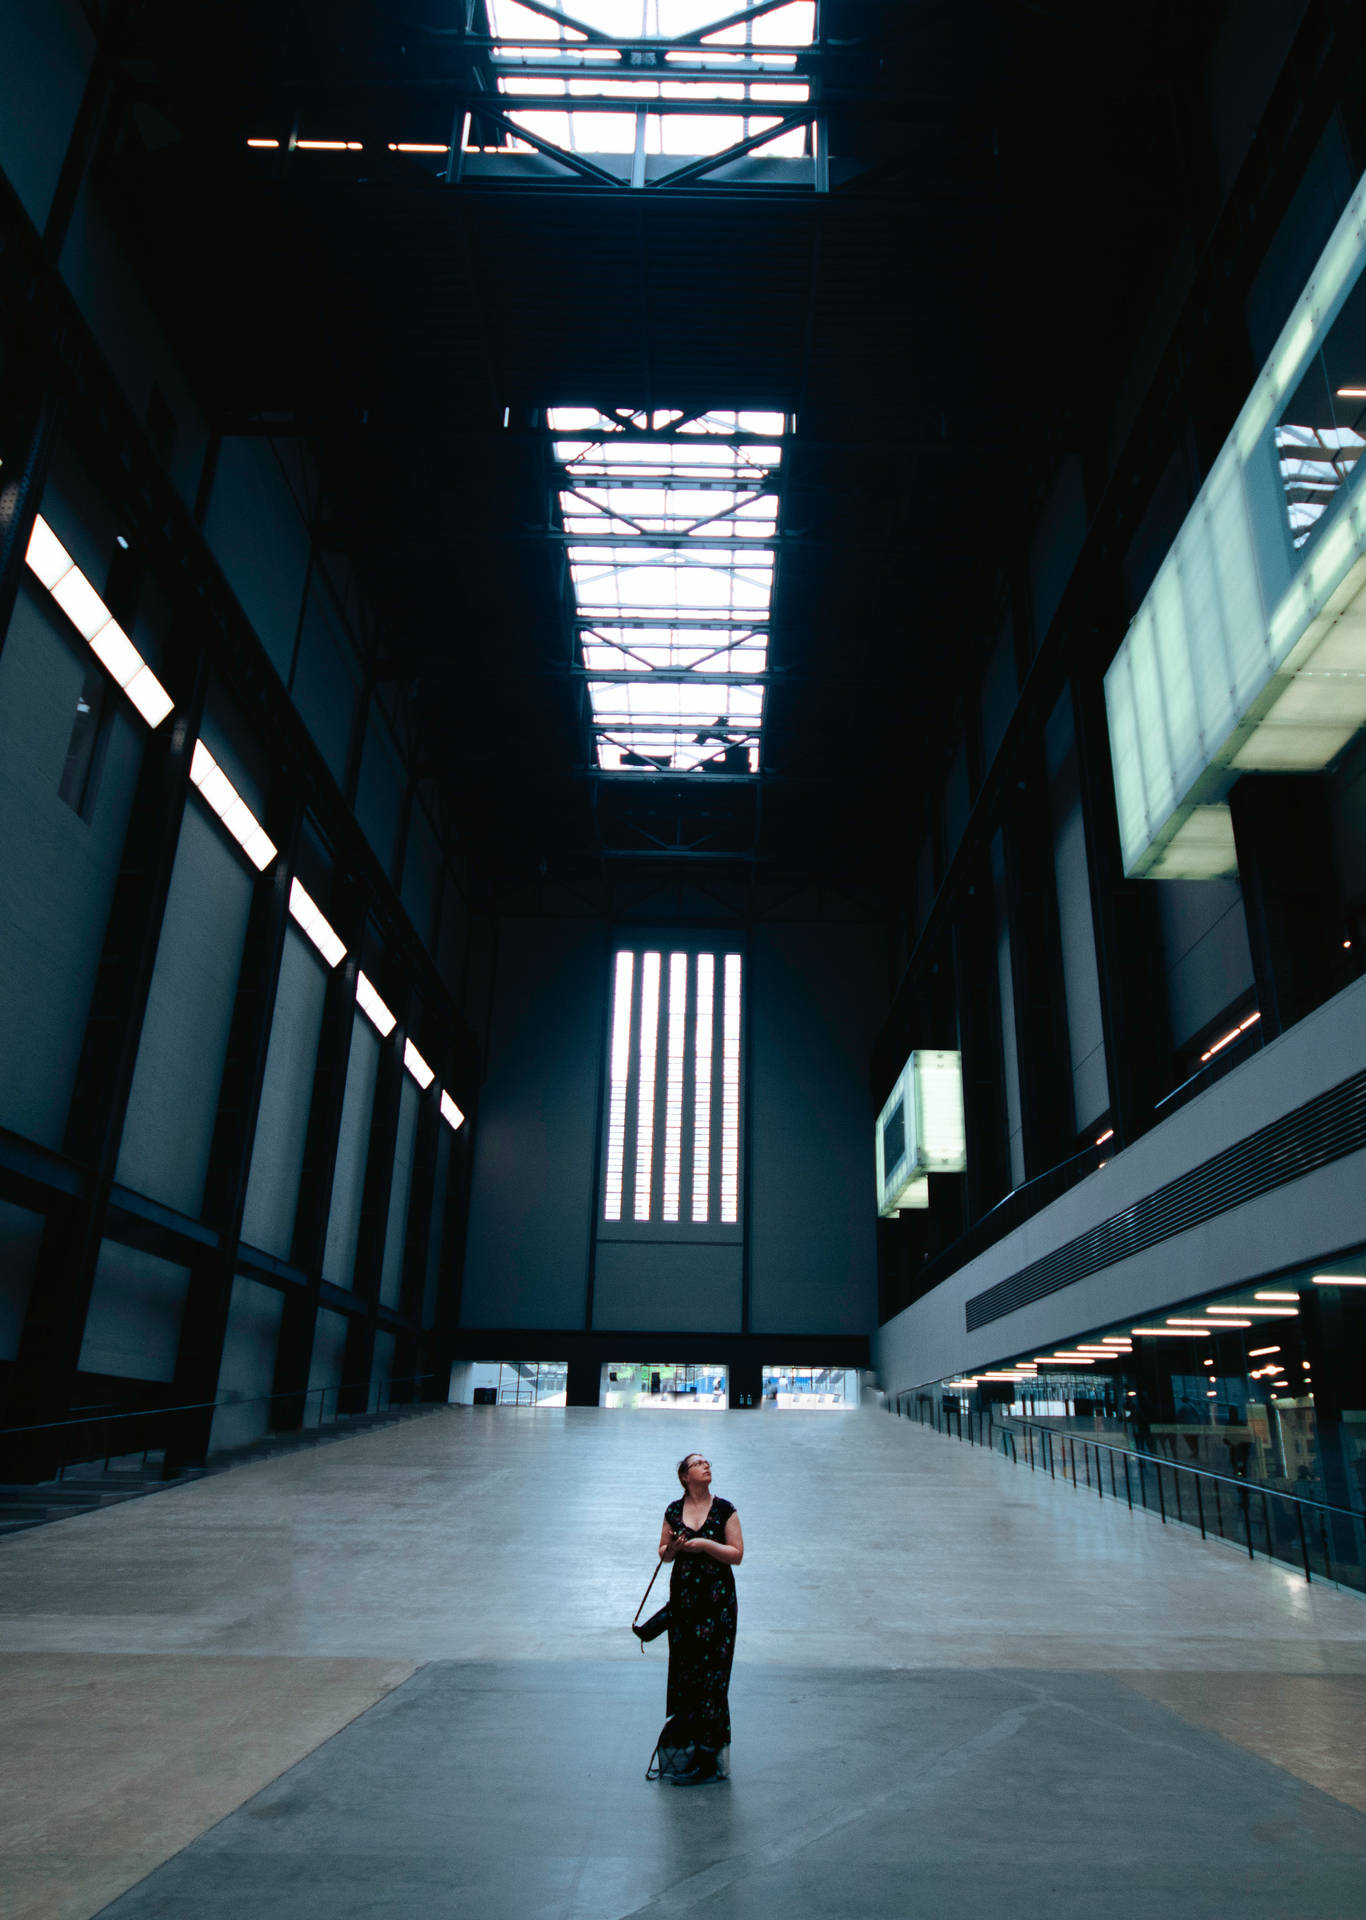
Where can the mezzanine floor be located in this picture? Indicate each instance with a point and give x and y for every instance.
(393, 1678)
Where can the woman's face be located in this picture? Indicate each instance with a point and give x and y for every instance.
(697, 1474)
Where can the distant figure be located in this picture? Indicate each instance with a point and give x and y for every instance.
(701, 1537)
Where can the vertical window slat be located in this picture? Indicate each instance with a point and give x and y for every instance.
(702, 1076)
(645, 1082)
(673, 1094)
(730, 1090)
(617, 1083)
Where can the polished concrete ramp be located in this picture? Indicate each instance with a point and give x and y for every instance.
(393, 1677)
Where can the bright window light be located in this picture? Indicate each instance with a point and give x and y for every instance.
(417, 1066)
(223, 797)
(702, 1074)
(618, 1082)
(373, 1007)
(730, 1089)
(304, 909)
(450, 1113)
(58, 572)
(671, 519)
(645, 1081)
(673, 1090)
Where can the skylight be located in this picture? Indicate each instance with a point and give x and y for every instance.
(671, 519)
(649, 79)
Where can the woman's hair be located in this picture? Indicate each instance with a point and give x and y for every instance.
(683, 1468)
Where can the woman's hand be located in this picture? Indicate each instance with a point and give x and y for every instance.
(670, 1544)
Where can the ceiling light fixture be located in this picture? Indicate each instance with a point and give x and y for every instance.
(374, 1008)
(417, 1066)
(305, 910)
(53, 565)
(450, 1113)
(223, 797)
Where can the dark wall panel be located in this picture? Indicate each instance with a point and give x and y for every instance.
(327, 684)
(816, 994)
(282, 1124)
(255, 529)
(174, 1099)
(379, 796)
(646, 1286)
(325, 1374)
(248, 1367)
(353, 1145)
(421, 868)
(133, 1326)
(48, 51)
(400, 1189)
(1204, 940)
(21, 1234)
(58, 870)
(531, 1206)
(1076, 926)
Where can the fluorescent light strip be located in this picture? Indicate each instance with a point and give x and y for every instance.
(1172, 1333)
(304, 909)
(702, 1076)
(1229, 1038)
(1265, 1313)
(617, 1083)
(450, 1113)
(1207, 1325)
(373, 1007)
(645, 1082)
(417, 1066)
(1275, 1296)
(1255, 1353)
(231, 808)
(53, 565)
(1340, 1279)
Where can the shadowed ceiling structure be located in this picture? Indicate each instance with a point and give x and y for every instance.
(933, 271)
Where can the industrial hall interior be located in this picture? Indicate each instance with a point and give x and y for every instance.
(682, 901)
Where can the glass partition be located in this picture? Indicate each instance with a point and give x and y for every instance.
(659, 1386)
(811, 1389)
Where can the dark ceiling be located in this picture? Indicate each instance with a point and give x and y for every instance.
(947, 322)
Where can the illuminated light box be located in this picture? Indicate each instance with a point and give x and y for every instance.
(1249, 651)
(920, 1131)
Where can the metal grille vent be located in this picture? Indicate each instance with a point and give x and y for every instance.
(1322, 1130)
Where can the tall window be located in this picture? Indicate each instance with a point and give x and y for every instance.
(673, 1105)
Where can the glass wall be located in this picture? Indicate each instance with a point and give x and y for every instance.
(1266, 1384)
(813, 1389)
(656, 1386)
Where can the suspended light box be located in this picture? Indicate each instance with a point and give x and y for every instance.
(1249, 651)
(920, 1131)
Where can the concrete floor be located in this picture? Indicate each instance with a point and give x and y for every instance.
(394, 1677)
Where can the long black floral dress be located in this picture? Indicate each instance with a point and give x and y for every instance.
(702, 1619)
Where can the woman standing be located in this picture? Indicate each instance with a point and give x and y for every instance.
(701, 1538)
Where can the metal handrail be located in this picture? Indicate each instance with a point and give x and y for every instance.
(204, 1406)
(982, 1429)
(45, 1449)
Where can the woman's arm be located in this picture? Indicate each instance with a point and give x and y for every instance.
(668, 1542)
(731, 1550)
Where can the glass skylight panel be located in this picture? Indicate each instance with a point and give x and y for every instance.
(576, 52)
(678, 583)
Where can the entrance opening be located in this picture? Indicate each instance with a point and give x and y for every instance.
(509, 1383)
(815, 1389)
(658, 1385)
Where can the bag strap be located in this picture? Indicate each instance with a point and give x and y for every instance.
(645, 1596)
